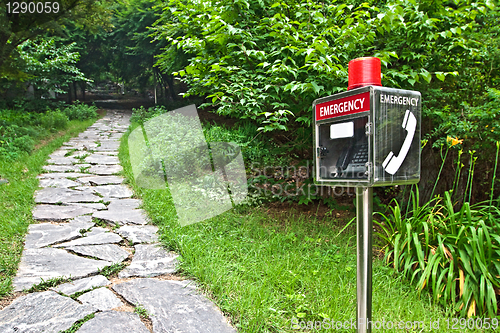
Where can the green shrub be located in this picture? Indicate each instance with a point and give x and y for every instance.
(81, 111)
(24, 143)
(60, 120)
(257, 149)
(477, 124)
(54, 120)
(142, 114)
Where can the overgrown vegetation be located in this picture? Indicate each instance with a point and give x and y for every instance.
(268, 60)
(256, 148)
(19, 130)
(447, 246)
(453, 254)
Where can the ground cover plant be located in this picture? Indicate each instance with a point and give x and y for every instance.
(266, 268)
(16, 196)
(20, 130)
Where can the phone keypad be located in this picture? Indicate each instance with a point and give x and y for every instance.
(361, 156)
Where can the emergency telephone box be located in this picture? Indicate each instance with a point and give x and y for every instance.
(368, 136)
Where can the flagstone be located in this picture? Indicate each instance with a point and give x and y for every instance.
(101, 180)
(46, 263)
(108, 252)
(80, 285)
(59, 213)
(113, 191)
(138, 234)
(57, 182)
(42, 312)
(113, 321)
(45, 234)
(174, 306)
(101, 298)
(65, 168)
(95, 239)
(122, 217)
(150, 260)
(105, 170)
(102, 159)
(64, 195)
(124, 204)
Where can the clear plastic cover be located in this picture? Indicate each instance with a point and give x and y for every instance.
(396, 136)
(375, 147)
(344, 154)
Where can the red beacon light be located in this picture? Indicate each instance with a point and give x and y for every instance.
(364, 72)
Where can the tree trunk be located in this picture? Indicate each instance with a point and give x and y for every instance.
(170, 82)
(69, 94)
(84, 84)
(74, 88)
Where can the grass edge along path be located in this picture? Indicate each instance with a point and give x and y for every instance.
(17, 202)
(263, 271)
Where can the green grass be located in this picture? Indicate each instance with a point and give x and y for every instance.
(111, 270)
(16, 201)
(47, 284)
(99, 222)
(263, 270)
(141, 311)
(76, 326)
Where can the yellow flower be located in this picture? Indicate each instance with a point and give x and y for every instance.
(454, 141)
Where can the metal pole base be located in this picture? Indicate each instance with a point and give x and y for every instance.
(364, 210)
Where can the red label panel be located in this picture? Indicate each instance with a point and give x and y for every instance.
(343, 106)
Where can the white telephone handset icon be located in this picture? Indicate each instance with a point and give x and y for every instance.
(392, 163)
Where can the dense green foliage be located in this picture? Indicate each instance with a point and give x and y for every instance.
(19, 129)
(16, 28)
(268, 60)
(80, 111)
(49, 66)
(256, 149)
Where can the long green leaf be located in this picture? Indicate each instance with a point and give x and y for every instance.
(464, 258)
(491, 300)
(438, 287)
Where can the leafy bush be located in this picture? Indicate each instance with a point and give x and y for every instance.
(24, 143)
(453, 254)
(271, 62)
(54, 120)
(142, 114)
(478, 125)
(19, 128)
(256, 148)
(80, 111)
(448, 246)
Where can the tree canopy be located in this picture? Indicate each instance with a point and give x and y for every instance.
(268, 60)
(17, 28)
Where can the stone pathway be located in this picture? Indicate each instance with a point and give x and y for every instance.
(79, 191)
